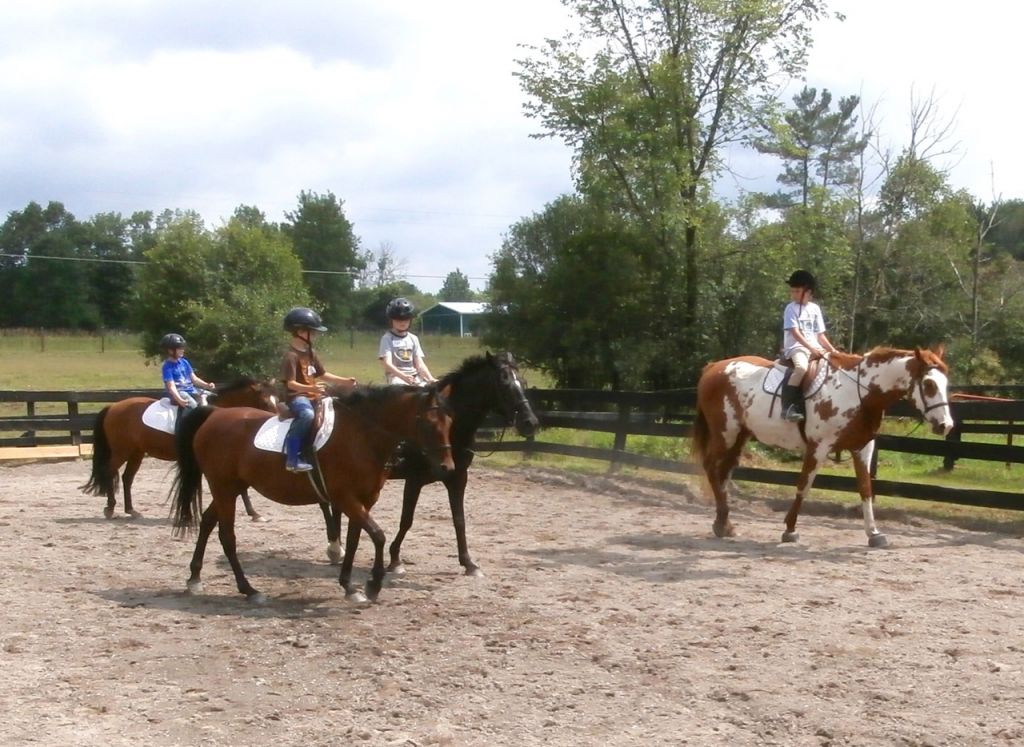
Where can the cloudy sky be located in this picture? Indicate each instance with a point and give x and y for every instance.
(405, 110)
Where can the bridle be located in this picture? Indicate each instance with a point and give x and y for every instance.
(424, 427)
(919, 381)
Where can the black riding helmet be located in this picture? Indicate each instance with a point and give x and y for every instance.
(802, 279)
(172, 340)
(302, 318)
(400, 308)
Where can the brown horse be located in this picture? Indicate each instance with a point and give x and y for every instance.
(369, 423)
(121, 438)
(843, 414)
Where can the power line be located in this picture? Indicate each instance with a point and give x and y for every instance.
(352, 273)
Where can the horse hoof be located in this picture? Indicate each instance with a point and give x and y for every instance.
(397, 569)
(878, 540)
(356, 597)
(133, 514)
(335, 552)
(257, 597)
(194, 587)
(108, 512)
(474, 571)
(790, 536)
(721, 531)
(259, 519)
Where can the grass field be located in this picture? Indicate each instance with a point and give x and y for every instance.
(68, 362)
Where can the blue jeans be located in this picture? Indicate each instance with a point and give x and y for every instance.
(302, 409)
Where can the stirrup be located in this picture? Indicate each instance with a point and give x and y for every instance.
(793, 414)
(299, 466)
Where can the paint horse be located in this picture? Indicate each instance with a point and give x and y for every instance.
(369, 422)
(844, 414)
(479, 386)
(120, 438)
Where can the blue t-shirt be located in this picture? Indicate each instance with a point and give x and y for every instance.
(180, 372)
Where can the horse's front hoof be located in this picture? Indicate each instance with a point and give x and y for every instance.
(335, 552)
(878, 540)
(724, 530)
(194, 587)
(397, 568)
(356, 597)
(108, 512)
(259, 519)
(257, 598)
(372, 589)
(474, 571)
(133, 514)
(791, 536)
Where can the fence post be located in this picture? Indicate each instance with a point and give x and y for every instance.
(76, 435)
(954, 436)
(620, 435)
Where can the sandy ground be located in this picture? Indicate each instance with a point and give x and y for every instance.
(608, 615)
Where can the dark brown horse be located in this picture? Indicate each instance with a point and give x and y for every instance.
(369, 423)
(481, 385)
(121, 438)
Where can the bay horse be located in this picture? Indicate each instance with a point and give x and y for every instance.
(844, 414)
(482, 384)
(369, 423)
(120, 438)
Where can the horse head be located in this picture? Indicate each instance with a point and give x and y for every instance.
(929, 388)
(433, 428)
(513, 402)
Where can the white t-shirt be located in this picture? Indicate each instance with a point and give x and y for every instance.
(808, 319)
(404, 351)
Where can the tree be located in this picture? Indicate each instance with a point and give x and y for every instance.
(382, 267)
(328, 249)
(648, 94)
(456, 287)
(812, 140)
(226, 292)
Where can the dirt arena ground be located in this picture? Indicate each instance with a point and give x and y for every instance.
(608, 616)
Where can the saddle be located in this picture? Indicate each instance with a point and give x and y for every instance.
(777, 376)
(271, 435)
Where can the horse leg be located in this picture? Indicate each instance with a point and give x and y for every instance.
(718, 471)
(862, 468)
(226, 534)
(373, 584)
(332, 521)
(803, 488)
(206, 525)
(410, 497)
(251, 512)
(131, 467)
(456, 484)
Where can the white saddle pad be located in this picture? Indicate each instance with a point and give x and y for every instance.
(271, 435)
(773, 379)
(161, 415)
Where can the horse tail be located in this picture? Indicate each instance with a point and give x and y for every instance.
(188, 480)
(101, 480)
(701, 434)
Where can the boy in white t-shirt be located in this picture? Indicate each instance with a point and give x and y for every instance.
(400, 352)
(803, 330)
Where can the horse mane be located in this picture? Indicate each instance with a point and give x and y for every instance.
(243, 382)
(885, 354)
(369, 396)
(469, 366)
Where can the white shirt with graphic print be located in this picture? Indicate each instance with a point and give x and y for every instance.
(808, 319)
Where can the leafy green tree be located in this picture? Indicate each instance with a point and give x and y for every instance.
(328, 248)
(456, 287)
(118, 244)
(648, 94)
(225, 291)
(47, 285)
(814, 141)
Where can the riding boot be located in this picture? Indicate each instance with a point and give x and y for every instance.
(792, 404)
(295, 462)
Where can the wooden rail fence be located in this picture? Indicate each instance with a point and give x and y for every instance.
(666, 414)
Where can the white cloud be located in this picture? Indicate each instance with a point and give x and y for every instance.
(409, 112)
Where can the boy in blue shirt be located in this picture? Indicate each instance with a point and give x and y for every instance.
(180, 380)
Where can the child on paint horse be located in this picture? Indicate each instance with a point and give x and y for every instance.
(803, 330)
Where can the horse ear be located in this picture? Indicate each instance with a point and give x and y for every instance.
(446, 392)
